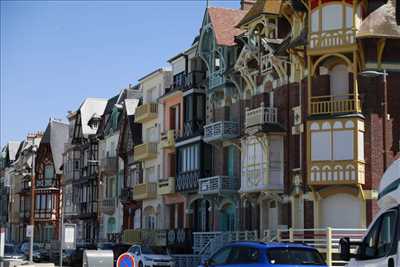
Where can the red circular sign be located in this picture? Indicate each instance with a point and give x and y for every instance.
(126, 260)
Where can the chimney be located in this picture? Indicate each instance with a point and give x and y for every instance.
(246, 4)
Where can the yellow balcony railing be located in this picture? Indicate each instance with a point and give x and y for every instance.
(145, 191)
(145, 151)
(150, 237)
(166, 186)
(146, 112)
(168, 139)
(336, 172)
(332, 38)
(331, 104)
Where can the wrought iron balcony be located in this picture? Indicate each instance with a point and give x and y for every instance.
(219, 185)
(87, 209)
(109, 165)
(215, 79)
(45, 214)
(146, 112)
(126, 195)
(261, 115)
(187, 181)
(331, 39)
(191, 129)
(145, 151)
(195, 79)
(46, 184)
(145, 191)
(168, 138)
(166, 186)
(221, 130)
(108, 205)
(331, 104)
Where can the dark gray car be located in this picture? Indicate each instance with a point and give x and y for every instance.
(11, 252)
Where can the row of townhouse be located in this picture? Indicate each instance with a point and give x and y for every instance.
(267, 121)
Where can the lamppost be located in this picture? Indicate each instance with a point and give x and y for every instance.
(371, 73)
(34, 150)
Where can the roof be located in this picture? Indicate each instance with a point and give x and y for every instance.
(261, 7)
(13, 147)
(159, 70)
(56, 135)
(263, 245)
(380, 23)
(224, 21)
(88, 108)
(130, 106)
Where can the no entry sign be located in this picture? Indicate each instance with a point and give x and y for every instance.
(126, 260)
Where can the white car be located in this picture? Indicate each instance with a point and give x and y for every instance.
(150, 256)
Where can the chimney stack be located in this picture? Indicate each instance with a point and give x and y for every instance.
(246, 4)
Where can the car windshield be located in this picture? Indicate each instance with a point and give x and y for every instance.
(294, 256)
(153, 250)
(9, 249)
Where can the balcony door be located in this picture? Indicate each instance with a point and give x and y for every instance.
(339, 82)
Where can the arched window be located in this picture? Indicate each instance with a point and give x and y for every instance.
(49, 171)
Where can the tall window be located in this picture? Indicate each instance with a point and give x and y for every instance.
(189, 158)
(49, 172)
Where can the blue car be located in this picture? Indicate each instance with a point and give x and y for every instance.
(259, 254)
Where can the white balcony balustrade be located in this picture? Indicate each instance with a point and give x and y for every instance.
(221, 130)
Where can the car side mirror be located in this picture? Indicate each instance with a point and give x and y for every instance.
(344, 245)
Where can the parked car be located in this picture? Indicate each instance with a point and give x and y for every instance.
(151, 256)
(12, 253)
(39, 254)
(260, 254)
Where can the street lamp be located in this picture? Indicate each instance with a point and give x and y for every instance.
(34, 150)
(372, 73)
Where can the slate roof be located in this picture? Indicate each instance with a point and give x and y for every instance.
(56, 135)
(224, 21)
(88, 108)
(380, 23)
(261, 7)
(13, 147)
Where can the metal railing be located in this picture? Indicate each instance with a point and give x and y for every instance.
(261, 115)
(186, 260)
(218, 184)
(221, 130)
(326, 240)
(330, 104)
(205, 243)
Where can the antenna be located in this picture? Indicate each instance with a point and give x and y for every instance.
(207, 3)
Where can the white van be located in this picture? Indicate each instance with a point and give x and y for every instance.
(381, 244)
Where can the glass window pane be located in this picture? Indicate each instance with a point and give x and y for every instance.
(386, 234)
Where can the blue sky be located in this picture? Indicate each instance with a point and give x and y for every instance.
(56, 53)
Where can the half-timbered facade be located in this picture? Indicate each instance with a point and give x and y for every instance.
(48, 179)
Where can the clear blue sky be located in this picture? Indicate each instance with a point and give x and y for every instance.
(56, 53)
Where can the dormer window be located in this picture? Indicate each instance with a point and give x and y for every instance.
(94, 121)
(217, 62)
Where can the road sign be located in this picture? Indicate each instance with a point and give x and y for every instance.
(126, 260)
(29, 231)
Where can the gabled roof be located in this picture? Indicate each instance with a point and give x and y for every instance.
(224, 21)
(56, 135)
(262, 7)
(130, 106)
(380, 23)
(13, 147)
(88, 108)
